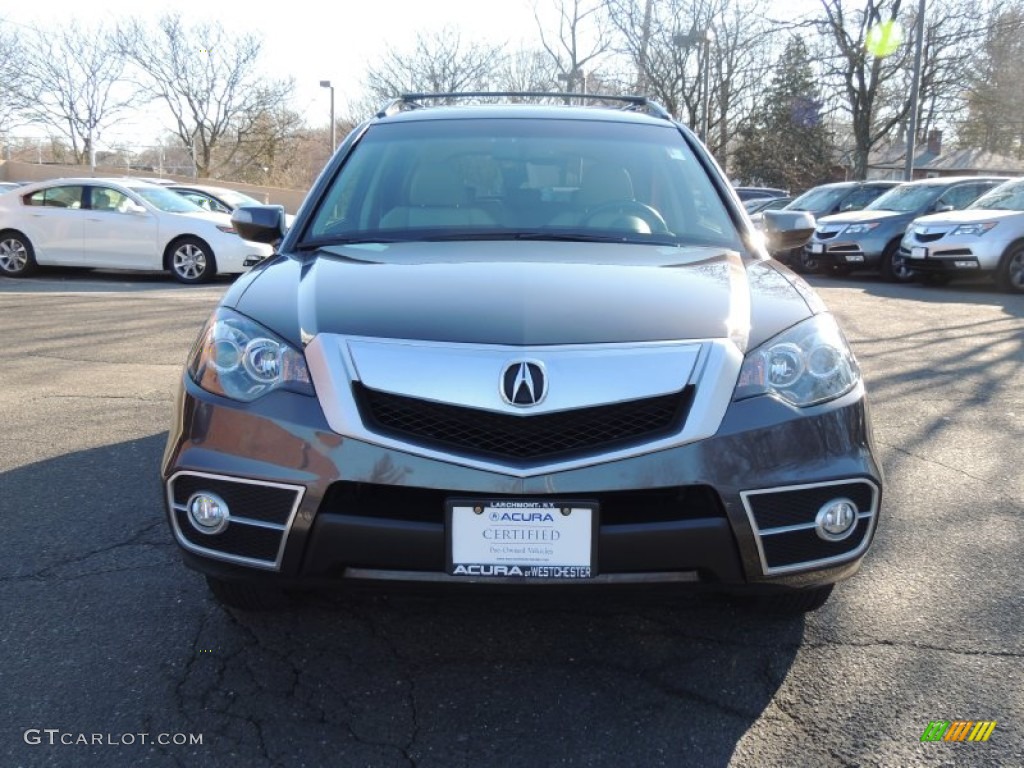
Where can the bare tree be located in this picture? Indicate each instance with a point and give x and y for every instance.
(12, 101)
(71, 81)
(439, 62)
(207, 78)
(527, 70)
(583, 37)
(952, 39)
(861, 80)
(671, 50)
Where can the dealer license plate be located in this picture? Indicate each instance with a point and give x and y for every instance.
(817, 247)
(521, 539)
(918, 252)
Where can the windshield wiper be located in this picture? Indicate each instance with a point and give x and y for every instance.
(326, 242)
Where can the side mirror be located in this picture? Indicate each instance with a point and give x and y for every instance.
(135, 208)
(260, 223)
(943, 208)
(785, 230)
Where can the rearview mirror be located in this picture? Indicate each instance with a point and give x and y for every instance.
(784, 230)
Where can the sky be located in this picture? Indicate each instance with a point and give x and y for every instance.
(310, 41)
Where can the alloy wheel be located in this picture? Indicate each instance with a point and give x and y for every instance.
(13, 255)
(189, 262)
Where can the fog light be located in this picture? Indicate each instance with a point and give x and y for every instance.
(855, 257)
(836, 520)
(966, 264)
(207, 512)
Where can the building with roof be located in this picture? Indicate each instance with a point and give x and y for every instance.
(930, 161)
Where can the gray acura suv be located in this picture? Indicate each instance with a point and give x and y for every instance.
(521, 344)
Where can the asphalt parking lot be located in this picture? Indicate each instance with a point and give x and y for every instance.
(105, 633)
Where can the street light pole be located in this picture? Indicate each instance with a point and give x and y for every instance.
(915, 88)
(334, 127)
(692, 38)
(709, 37)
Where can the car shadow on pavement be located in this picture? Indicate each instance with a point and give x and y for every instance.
(108, 632)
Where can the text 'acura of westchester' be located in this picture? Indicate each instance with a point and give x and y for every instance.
(522, 344)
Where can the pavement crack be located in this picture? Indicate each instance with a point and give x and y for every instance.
(49, 571)
(950, 467)
(908, 644)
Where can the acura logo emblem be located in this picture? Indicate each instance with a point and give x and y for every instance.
(524, 383)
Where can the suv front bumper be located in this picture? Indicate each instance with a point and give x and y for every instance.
(311, 507)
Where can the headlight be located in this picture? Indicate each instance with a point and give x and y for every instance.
(238, 358)
(978, 228)
(860, 229)
(808, 364)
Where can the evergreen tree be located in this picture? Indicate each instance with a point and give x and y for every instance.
(995, 96)
(785, 144)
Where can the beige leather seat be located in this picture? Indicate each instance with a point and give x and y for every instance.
(436, 199)
(600, 184)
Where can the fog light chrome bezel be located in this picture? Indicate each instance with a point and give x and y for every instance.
(822, 516)
(215, 499)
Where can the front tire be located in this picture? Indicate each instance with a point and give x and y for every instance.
(807, 263)
(17, 256)
(191, 261)
(894, 266)
(1010, 275)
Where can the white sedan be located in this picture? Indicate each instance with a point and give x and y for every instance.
(119, 224)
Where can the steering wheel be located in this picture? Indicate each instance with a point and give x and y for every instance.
(649, 215)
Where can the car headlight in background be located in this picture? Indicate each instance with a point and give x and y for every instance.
(807, 364)
(977, 228)
(860, 229)
(238, 358)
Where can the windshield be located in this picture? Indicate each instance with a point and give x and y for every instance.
(511, 178)
(910, 197)
(166, 200)
(235, 199)
(1005, 197)
(818, 199)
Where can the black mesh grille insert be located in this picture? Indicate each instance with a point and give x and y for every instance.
(237, 539)
(805, 546)
(426, 505)
(801, 505)
(257, 502)
(484, 433)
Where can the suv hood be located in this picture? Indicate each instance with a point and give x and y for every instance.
(952, 218)
(490, 293)
(851, 217)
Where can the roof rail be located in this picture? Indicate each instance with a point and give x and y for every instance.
(635, 103)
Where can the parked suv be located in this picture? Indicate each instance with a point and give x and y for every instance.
(870, 238)
(825, 200)
(514, 344)
(985, 238)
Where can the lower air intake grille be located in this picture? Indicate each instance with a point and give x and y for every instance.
(261, 514)
(488, 434)
(783, 519)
